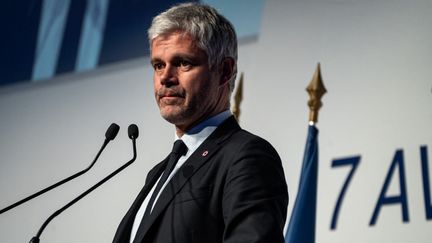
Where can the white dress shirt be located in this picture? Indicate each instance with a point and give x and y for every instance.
(193, 139)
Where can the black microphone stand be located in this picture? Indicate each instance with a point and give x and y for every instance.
(110, 135)
(35, 239)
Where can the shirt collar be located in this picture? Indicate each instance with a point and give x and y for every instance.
(196, 135)
(212, 121)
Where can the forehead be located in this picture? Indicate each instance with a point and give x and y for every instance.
(176, 46)
(175, 42)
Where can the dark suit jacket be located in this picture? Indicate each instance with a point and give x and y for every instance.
(231, 189)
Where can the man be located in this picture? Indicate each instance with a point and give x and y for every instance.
(228, 185)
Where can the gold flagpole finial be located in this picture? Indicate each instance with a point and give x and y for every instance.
(316, 90)
(238, 97)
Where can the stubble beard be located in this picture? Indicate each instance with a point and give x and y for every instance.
(179, 114)
(187, 113)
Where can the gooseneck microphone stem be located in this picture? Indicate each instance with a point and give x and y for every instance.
(35, 239)
(58, 183)
(110, 134)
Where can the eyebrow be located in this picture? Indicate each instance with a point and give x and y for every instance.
(155, 60)
(177, 57)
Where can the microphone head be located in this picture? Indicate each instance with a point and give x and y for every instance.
(133, 131)
(112, 131)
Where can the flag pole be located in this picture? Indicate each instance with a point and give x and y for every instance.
(302, 224)
(316, 90)
(238, 97)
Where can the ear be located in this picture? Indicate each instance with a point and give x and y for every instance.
(226, 70)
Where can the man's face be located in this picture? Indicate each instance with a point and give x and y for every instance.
(185, 88)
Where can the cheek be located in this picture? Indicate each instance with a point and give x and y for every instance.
(196, 90)
(197, 82)
(197, 85)
(203, 95)
(156, 84)
(155, 80)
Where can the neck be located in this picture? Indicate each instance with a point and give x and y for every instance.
(199, 124)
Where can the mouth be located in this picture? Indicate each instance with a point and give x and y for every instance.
(170, 97)
(169, 94)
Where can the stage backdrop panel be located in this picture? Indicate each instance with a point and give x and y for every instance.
(375, 124)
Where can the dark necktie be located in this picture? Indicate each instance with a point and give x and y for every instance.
(179, 149)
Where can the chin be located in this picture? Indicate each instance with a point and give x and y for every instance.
(171, 117)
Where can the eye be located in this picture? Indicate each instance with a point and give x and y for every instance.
(185, 63)
(158, 66)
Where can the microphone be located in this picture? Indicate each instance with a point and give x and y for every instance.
(110, 134)
(133, 134)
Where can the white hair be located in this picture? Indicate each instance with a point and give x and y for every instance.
(213, 33)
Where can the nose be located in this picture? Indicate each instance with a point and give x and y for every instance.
(168, 76)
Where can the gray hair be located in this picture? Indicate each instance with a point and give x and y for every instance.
(213, 33)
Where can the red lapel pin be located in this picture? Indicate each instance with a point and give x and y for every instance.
(205, 153)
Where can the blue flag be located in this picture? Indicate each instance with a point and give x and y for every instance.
(301, 228)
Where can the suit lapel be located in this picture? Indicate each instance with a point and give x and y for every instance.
(125, 227)
(202, 155)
